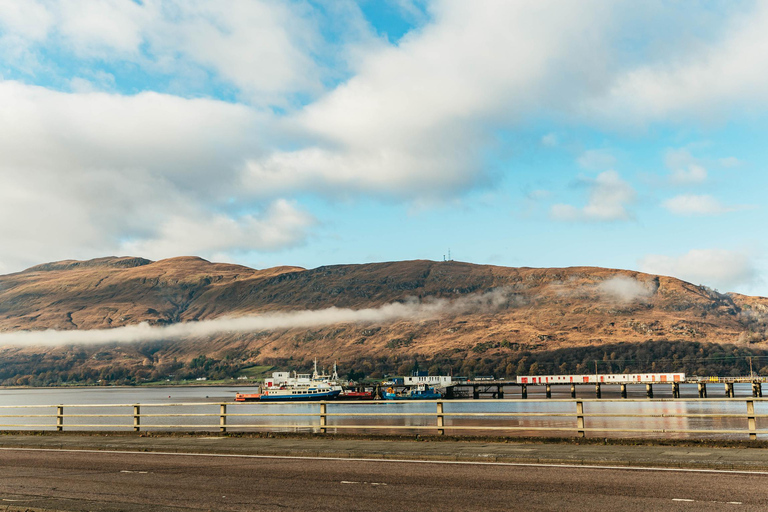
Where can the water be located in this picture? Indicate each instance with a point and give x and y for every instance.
(200, 412)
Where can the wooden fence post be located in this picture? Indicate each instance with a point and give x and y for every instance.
(752, 423)
(136, 417)
(223, 418)
(580, 418)
(440, 419)
(323, 418)
(59, 418)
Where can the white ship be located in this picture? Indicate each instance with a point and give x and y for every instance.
(300, 387)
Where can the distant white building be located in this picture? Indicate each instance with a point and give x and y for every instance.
(430, 380)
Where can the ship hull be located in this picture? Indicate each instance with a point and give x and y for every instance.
(302, 397)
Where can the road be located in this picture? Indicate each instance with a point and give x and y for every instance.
(109, 481)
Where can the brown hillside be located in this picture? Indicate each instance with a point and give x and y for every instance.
(541, 310)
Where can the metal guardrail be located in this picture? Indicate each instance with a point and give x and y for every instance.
(580, 427)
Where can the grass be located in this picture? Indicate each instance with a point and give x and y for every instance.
(256, 372)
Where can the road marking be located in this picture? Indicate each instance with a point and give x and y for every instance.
(363, 483)
(702, 501)
(129, 471)
(407, 461)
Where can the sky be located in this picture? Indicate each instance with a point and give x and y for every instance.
(538, 133)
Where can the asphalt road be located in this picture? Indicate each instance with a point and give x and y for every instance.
(107, 481)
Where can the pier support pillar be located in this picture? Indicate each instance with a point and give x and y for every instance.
(623, 391)
(475, 392)
(676, 390)
(759, 388)
(524, 390)
(597, 390)
(573, 390)
(549, 391)
(649, 390)
(702, 390)
(729, 389)
(500, 392)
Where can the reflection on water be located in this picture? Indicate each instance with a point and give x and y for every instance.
(420, 417)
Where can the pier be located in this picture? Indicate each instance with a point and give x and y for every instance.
(499, 389)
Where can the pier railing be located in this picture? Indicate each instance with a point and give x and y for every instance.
(690, 417)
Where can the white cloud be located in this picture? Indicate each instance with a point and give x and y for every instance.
(625, 289)
(693, 175)
(412, 309)
(416, 118)
(550, 140)
(282, 225)
(713, 77)
(92, 173)
(609, 197)
(263, 48)
(695, 205)
(684, 168)
(28, 20)
(596, 160)
(719, 268)
(729, 162)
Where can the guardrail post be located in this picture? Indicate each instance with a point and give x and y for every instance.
(323, 417)
(759, 389)
(440, 419)
(549, 391)
(223, 418)
(649, 390)
(524, 391)
(597, 390)
(59, 418)
(676, 390)
(573, 390)
(580, 418)
(623, 391)
(751, 420)
(136, 418)
(702, 390)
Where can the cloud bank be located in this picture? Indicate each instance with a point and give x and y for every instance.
(723, 269)
(412, 310)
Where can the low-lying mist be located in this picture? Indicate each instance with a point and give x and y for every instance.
(412, 309)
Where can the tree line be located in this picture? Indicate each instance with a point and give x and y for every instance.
(693, 358)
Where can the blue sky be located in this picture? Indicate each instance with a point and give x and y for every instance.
(617, 134)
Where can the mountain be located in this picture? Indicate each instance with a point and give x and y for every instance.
(481, 319)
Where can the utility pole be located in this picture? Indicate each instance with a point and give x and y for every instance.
(750, 367)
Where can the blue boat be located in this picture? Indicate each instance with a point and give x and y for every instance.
(421, 392)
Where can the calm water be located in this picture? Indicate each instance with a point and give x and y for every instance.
(380, 417)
